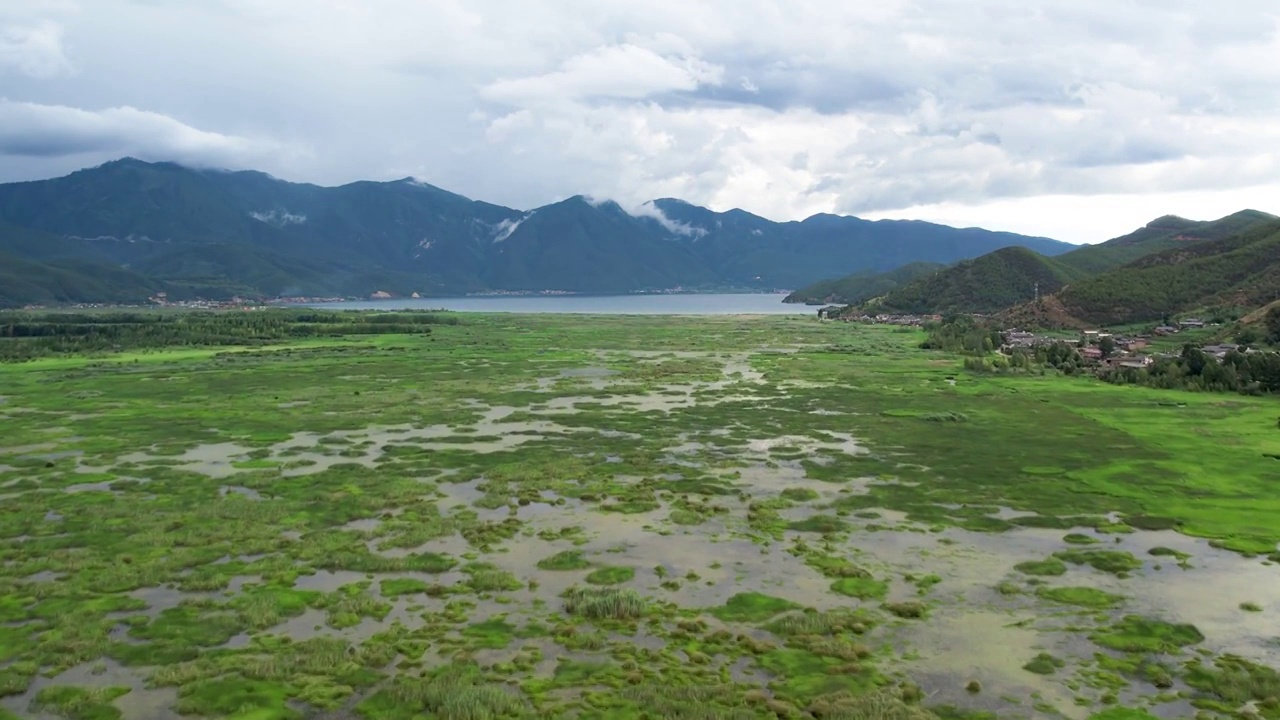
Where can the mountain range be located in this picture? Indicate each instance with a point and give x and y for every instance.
(1170, 266)
(124, 230)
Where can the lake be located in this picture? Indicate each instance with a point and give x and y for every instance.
(693, 304)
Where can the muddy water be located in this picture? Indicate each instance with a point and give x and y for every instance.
(140, 702)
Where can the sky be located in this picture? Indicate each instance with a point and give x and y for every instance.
(1074, 119)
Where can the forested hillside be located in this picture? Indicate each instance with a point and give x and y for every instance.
(860, 287)
(1239, 271)
(986, 284)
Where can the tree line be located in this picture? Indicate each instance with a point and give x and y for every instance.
(27, 335)
(1248, 373)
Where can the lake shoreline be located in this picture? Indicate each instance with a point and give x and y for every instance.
(690, 304)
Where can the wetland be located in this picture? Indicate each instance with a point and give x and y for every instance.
(541, 516)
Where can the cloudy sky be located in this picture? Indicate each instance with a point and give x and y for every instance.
(1075, 119)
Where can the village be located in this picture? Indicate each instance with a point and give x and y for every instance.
(1114, 351)
(1100, 349)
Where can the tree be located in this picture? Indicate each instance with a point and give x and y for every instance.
(1273, 324)
(1108, 346)
(1194, 358)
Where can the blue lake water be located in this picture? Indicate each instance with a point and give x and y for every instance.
(709, 304)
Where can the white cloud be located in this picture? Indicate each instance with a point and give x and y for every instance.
(1091, 218)
(783, 109)
(505, 228)
(279, 217)
(649, 210)
(34, 130)
(616, 71)
(34, 49)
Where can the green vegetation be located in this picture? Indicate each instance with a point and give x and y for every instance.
(752, 608)
(860, 287)
(1137, 634)
(909, 609)
(611, 575)
(1116, 713)
(248, 234)
(1236, 270)
(316, 526)
(566, 560)
(1044, 664)
(27, 335)
(604, 604)
(1193, 369)
(989, 283)
(1116, 562)
(402, 586)
(1082, 596)
(1234, 681)
(1051, 567)
(861, 588)
(76, 703)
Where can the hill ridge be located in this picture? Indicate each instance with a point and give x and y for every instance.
(248, 232)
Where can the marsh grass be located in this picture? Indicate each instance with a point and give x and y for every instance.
(1237, 680)
(565, 560)
(752, 607)
(484, 578)
(604, 603)
(1082, 596)
(819, 524)
(1044, 664)
(831, 622)
(909, 609)
(611, 575)
(1176, 466)
(75, 703)
(455, 692)
(1134, 633)
(1051, 567)
(861, 588)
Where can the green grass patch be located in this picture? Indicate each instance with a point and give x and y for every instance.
(1050, 567)
(819, 524)
(861, 588)
(566, 560)
(75, 703)
(1044, 664)
(752, 607)
(612, 575)
(1138, 634)
(604, 603)
(394, 587)
(1116, 562)
(1085, 597)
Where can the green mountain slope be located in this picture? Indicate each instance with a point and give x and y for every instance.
(1160, 234)
(860, 287)
(1242, 270)
(217, 233)
(1163, 233)
(70, 281)
(986, 284)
